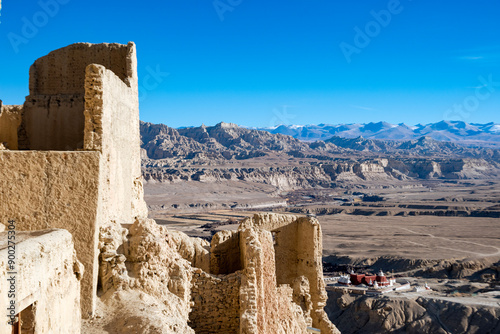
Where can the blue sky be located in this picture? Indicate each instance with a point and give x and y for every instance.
(264, 63)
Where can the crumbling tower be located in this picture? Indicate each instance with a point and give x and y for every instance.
(73, 150)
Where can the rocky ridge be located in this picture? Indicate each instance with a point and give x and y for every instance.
(222, 152)
(229, 141)
(223, 141)
(354, 314)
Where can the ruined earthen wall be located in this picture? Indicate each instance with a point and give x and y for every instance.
(287, 250)
(265, 307)
(295, 244)
(309, 258)
(75, 105)
(225, 256)
(62, 71)
(70, 108)
(112, 127)
(310, 265)
(53, 122)
(268, 221)
(48, 277)
(297, 262)
(53, 117)
(10, 120)
(57, 190)
(216, 303)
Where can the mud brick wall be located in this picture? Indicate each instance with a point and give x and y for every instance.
(216, 303)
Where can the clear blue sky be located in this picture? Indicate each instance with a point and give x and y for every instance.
(262, 63)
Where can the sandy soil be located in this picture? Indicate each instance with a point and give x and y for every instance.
(201, 197)
(420, 237)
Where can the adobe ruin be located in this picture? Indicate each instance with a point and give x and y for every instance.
(73, 149)
(270, 274)
(70, 159)
(266, 277)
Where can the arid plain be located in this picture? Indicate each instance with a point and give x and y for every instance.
(430, 221)
(423, 210)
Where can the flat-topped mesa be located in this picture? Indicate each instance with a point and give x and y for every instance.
(225, 125)
(78, 163)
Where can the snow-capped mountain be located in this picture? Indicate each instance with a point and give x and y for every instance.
(454, 131)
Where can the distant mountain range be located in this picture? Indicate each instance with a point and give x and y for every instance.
(452, 131)
(222, 141)
(226, 141)
(229, 152)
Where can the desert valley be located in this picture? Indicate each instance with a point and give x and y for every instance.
(419, 208)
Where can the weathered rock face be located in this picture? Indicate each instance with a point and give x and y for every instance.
(147, 258)
(155, 262)
(282, 177)
(226, 139)
(400, 315)
(162, 142)
(133, 311)
(194, 250)
(222, 141)
(326, 174)
(423, 146)
(202, 154)
(483, 270)
(232, 136)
